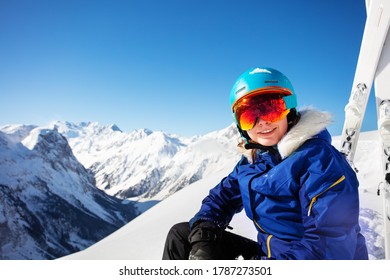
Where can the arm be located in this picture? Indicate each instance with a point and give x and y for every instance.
(223, 201)
(216, 211)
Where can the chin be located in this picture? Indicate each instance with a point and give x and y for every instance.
(267, 142)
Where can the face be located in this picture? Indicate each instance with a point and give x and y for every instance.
(268, 133)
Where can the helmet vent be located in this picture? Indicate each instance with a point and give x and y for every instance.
(271, 81)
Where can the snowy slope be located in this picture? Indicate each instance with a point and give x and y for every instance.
(143, 238)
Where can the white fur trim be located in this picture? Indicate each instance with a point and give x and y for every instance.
(310, 124)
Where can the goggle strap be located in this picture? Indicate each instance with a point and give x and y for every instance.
(235, 118)
(290, 101)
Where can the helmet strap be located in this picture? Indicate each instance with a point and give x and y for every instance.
(292, 118)
(243, 134)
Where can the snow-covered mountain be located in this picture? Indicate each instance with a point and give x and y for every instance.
(144, 236)
(147, 165)
(49, 204)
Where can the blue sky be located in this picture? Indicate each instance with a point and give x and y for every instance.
(169, 65)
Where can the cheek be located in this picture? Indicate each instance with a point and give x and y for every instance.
(251, 134)
(283, 126)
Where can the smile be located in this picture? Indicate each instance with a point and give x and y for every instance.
(267, 131)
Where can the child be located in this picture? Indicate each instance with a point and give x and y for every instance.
(298, 190)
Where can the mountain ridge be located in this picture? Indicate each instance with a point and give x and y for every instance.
(49, 204)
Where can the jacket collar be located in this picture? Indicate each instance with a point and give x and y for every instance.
(311, 123)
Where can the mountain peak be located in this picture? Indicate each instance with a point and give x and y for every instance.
(114, 127)
(53, 207)
(45, 137)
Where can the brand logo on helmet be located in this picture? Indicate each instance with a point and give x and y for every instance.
(239, 90)
(260, 70)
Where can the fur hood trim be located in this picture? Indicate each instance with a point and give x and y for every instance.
(311, 123)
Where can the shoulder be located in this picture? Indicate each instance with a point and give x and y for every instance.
(312, 125)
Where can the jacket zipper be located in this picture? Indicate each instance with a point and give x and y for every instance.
(269, 246)
(314, 199)
(268, 239)
(259, 226)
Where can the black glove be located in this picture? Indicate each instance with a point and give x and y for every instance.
(204, 239)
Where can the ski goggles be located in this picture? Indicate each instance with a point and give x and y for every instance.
(268, 107)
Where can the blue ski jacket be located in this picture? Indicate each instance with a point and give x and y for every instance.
(302, 197)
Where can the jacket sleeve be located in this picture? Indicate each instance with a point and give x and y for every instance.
(222, 202)
(330, 209)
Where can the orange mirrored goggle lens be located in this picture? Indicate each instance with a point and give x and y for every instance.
(269, 108)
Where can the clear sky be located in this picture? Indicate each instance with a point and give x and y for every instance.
(169, 65)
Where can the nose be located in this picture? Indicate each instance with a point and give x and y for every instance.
(261, 122)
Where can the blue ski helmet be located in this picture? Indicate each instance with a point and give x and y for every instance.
(263, 80)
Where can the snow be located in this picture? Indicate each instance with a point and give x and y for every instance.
(180, 172)
(39, 178)
(143, 238)
(146, 165)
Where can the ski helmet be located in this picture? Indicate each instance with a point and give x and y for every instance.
(263, 80)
